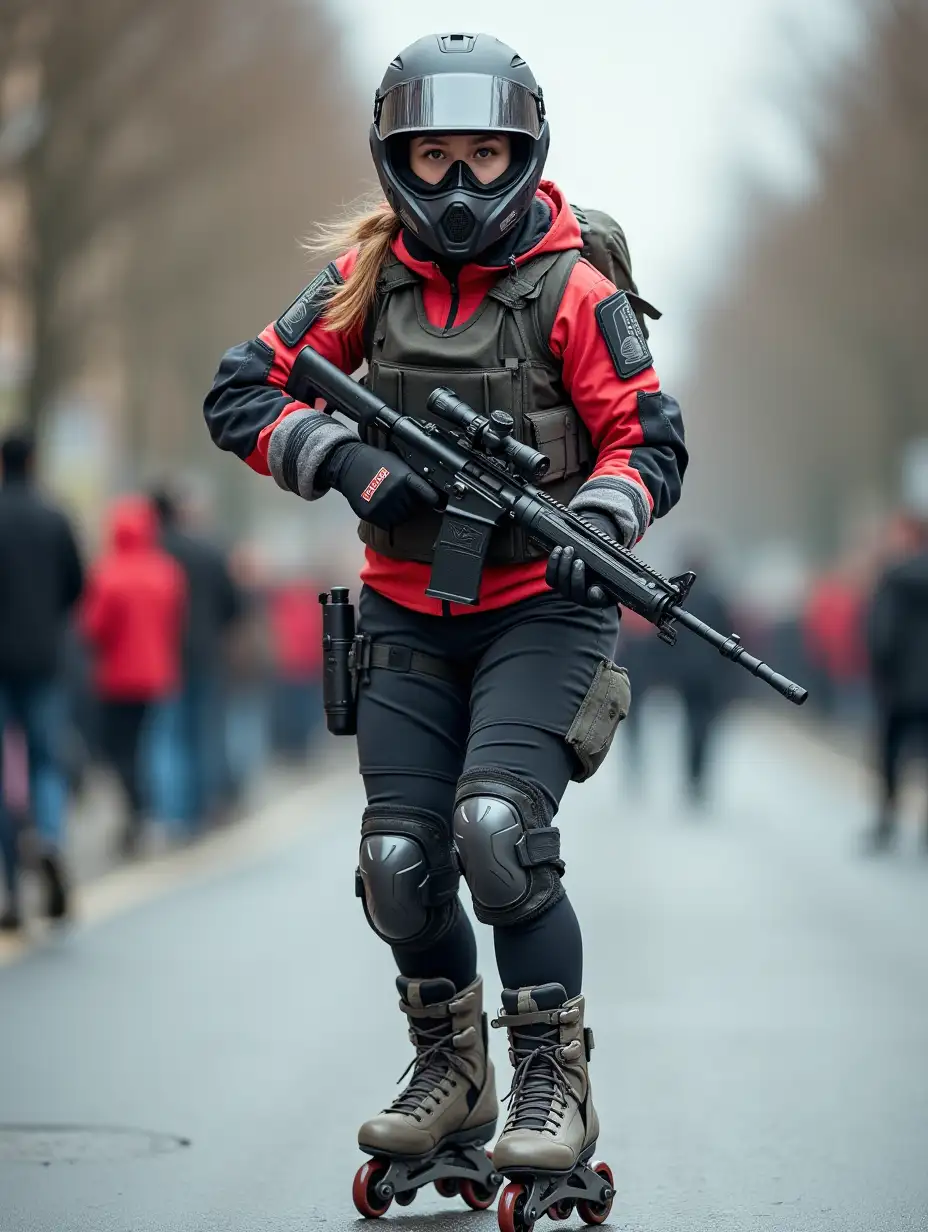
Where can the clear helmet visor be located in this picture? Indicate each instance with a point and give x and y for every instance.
(459, 102)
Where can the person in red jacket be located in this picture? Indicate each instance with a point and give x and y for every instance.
(133, 620)
(296, 635)
(472, 721)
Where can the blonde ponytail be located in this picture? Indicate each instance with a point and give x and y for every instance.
(372, 231)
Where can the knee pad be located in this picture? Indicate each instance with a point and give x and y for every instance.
(407, 877)
(508, 849)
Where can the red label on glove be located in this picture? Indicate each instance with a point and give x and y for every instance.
(375, 483)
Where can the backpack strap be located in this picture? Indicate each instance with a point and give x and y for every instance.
(393, 276)
(548, 301)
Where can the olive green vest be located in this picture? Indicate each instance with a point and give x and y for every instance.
(497, 360)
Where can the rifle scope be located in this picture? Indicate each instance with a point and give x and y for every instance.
(492, 435)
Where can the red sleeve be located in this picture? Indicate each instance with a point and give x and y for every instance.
(606, 403)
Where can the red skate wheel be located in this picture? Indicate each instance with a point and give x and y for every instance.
(511, 1211)
(598, 1212)
(561, 1210)
(478, 1197)
(364, 1190)
(406, 1198)
(447, 1186)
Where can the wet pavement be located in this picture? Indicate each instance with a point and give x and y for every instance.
(198, 1054)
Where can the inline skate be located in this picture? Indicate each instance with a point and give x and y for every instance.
(436, 1131)
(547, 1144)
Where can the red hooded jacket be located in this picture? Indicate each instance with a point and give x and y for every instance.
(133, 609)
(296, 629)
(248, 401)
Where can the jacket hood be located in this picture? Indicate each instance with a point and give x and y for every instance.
(132, 525)
(563, 233)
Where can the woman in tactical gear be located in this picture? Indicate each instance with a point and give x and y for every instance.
(472, 722)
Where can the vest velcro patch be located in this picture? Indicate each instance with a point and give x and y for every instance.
(291, 325)
(624, 338)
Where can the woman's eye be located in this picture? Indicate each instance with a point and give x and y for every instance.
(434, 155)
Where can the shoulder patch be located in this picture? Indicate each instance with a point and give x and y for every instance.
(623, 335)
(292, 324)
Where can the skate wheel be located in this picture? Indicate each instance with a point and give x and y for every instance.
(447, 1186)
(561, 1210)
(511, 1212)
(598, 1212)
(478, 1197)
(364, 1190)
(406, 1198)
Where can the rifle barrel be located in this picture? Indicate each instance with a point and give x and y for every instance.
(730, 648)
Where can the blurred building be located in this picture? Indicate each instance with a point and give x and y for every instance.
(138, 237)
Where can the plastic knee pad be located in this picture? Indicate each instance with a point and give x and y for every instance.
(508, 849)
(407, 877)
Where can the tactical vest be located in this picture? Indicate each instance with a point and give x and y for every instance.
(497, 360)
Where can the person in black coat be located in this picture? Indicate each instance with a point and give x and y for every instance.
(195, 774)
(898, 645)
(41, 579)
(697, 675)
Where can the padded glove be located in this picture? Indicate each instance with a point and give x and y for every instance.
(379, 486)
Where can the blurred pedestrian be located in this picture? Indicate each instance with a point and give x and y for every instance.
(133, 620)
(898, 644)
(833, 638)
(296, 632)
(189, 742)
(40, 581)
(248, 675)
(692, 671)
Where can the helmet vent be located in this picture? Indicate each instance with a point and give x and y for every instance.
(458, 223)
(516, 62)
(457, 42)
(397, 63)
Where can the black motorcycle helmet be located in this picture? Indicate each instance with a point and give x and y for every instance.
(464, 83)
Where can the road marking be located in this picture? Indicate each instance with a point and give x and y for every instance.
(121, 889)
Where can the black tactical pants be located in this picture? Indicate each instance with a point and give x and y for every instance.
(525, 671)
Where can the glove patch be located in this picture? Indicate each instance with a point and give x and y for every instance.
(623, 335)
(375, 484)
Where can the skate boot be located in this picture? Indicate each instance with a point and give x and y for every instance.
(436, 1131)
(547, 1144)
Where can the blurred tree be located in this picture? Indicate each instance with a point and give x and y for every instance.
(172, 155)
(812, 358)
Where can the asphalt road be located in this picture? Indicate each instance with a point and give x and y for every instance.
(197, 1055)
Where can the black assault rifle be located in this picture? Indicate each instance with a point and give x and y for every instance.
(486, 477)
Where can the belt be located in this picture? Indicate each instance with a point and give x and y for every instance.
(395, 658)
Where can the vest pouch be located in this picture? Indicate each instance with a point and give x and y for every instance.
(560, 436)
(406, 388)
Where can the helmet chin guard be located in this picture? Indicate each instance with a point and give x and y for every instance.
(459, 83)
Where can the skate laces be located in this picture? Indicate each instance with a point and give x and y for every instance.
(435, 1056)
(539, 1084)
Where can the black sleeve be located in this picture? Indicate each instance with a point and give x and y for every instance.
(882, 623)
(72, 570)
(230, 605)
(241, 402)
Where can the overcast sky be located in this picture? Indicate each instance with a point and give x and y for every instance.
(655, 107)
